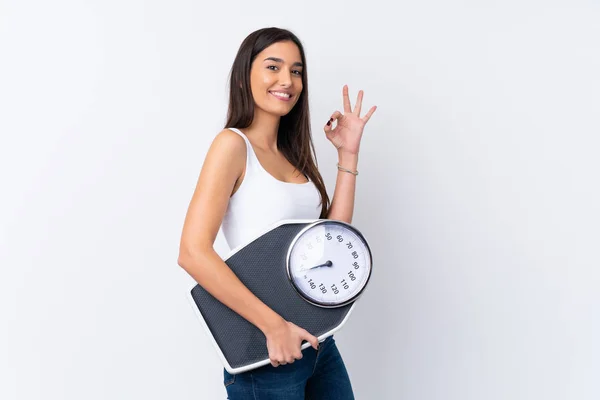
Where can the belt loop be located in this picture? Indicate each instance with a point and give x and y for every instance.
(316, 359)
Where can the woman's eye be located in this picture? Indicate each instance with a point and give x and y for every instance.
(274, 68)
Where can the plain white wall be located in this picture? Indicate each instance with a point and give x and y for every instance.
(478, 190)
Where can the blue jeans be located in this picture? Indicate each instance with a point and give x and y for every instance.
(318, 375)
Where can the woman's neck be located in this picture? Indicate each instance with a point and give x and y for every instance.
(263, 130)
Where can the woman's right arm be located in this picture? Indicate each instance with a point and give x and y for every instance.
(222, 168)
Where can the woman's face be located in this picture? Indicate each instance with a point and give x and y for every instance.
(276, 78)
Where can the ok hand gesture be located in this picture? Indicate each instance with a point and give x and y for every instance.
(348, 131)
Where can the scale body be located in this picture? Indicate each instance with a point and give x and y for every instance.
(276, 266)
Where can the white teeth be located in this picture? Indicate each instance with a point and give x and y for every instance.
(279, 94)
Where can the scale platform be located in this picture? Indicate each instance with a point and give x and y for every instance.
(261, 266)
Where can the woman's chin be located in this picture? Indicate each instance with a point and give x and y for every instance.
(279, 111)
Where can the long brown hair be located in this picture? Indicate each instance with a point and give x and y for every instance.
(294, 138)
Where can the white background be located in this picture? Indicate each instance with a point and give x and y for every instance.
(478, 190)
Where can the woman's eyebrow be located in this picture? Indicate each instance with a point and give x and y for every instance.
(296, 64)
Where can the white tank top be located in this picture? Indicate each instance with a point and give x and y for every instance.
(262, 200)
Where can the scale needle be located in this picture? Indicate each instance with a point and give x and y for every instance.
(326, 264)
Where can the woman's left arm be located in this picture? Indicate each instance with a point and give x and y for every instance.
(346, 137)
(342, 204)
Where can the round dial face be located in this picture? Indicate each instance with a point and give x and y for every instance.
(329, 263)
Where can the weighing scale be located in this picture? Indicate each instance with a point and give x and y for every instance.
(311, 272)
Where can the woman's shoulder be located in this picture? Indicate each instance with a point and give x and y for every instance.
(229, 141)
(228, 147)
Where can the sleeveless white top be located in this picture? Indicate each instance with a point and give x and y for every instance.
(262, 200)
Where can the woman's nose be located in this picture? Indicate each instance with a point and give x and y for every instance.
(285, 79)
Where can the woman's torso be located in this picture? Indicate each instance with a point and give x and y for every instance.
(261, 200)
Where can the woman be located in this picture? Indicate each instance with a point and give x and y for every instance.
(259, 170)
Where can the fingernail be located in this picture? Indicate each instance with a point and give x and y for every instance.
(328, 123)
(330, 119)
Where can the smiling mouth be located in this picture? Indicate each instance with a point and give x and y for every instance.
(281, 95)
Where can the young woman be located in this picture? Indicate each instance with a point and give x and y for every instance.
(259, 170)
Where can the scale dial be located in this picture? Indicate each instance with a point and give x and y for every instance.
(329, 263)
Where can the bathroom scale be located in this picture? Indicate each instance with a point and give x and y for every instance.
(311, 272)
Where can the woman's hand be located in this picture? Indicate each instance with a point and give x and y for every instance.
(284, 342)
(348, 132)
